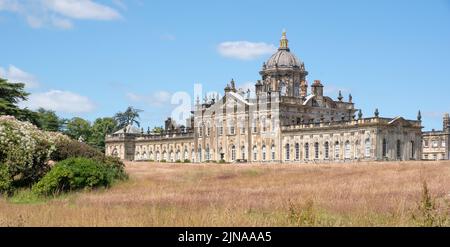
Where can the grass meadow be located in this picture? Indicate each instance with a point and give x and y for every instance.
(164, 194)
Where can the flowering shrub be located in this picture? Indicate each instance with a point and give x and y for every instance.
(25, 150)
(5, 180)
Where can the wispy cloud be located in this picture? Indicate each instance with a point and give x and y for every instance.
(245, 50)
(14, 74)
(59, 13)
(60, 101)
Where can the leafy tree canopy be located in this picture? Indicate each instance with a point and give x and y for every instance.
(10, 95)
(48, 120)
(129, 117)
(101, 128)
(78, 128)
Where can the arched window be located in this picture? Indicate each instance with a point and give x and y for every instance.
(243, 152)
(347, 150)
(413, 152)
(264, 124)
(384, 148)
(172, 156)
(207, 154)
(158, 157)
(177, 156)
(316, 150)
(327, 150)
(199, 152)
(221, 153)
(297, 151)
(288, 154)
(264, 152)
(367, 148)
(357, 149)
(336, 150)
(399, 151)
(273, 151)
(255, 153)
(165, 155)
(137, 156)
(193, 155)
(233, 153)
(151, 157)
(115, 152)
(185, 156)
(307, 151)
(144, 156)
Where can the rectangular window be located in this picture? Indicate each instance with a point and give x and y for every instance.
(232, 130)
(434, 144)
(316, 150)
(220, 130)
(327, 150)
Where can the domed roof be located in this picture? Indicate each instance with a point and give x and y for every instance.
(283, 57)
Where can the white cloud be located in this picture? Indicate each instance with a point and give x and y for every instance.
(60, 101)
(14, 74)
(59, 13)
(62, 23)
(245, 50)
(82, 9)
(157, 99)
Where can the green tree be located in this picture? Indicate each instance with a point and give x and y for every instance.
(99, 130)
(129, 117)
(158, 130)
(48, 120)
(78, 128)
(10, 95)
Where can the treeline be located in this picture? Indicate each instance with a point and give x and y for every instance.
(11, 94)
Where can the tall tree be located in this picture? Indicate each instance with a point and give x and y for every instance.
(99, 130)
(48, 120)
(10, 95)
(78, 129)
(129, 117)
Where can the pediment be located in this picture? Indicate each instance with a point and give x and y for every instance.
(400, 121)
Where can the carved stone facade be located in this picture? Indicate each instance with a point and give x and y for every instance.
(436, 144)
(283, 122)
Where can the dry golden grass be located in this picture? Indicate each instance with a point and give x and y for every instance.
(367, 194)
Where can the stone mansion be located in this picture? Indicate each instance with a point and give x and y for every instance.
(284, 121)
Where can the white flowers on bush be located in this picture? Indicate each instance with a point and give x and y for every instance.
(23, 146)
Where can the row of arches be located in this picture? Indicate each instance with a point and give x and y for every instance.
(171, 156)
(328, 150)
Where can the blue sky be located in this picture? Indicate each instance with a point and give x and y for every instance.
(93, 58)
